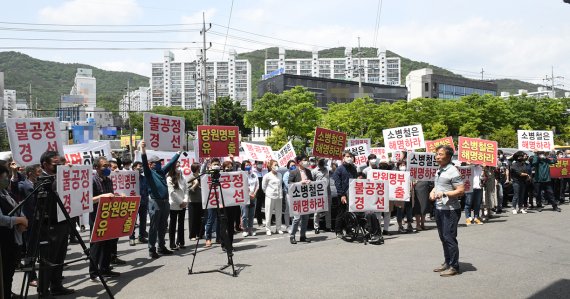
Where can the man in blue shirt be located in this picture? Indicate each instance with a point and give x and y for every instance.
(158, 205)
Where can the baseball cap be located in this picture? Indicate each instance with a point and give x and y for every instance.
(154, 158)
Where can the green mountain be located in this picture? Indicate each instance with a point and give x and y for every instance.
(49, 80)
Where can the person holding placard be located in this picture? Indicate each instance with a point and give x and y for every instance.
(101, 251)
(195, 211)
(273, 189)
(301, 174)
(446, 193)
(541, 162)
(321, 173)
(159, 207)
(143, 207)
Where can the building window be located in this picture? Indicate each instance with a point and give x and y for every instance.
(426, 87)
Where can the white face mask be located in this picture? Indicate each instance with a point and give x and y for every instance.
(305, 164)
(259, 166)
(402, 168)
(348, 160)
(275, 168)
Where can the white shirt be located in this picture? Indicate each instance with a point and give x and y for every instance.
(177, 196)
(271, 185)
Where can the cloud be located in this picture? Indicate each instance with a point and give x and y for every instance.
(137, 67)
(92, 12)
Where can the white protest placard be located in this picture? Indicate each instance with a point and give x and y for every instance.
(286, 153)
(404, 138)
(164, 132)
(467, 177)
(422, 166)
(185, 160)
(74, 186)
(367, 195)
(380, 153)
(125, 182)
(398, 183)
(397, 156)
(541, 141)
(85, 153)
(30, 137)
(360, 153)
(357, 141)
(308, 198)
(257, 152)
(234, 187)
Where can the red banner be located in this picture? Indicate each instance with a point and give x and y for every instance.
(431, 145)
(561, 169)
(329, 144)
(477, 151)
(218, 141)
(116, 217)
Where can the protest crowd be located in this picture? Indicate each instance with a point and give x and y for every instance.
(164, 194)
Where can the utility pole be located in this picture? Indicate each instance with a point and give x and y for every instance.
(482, 72)
(204, 94)
(31, 103)
(130, 127)
(552, 83)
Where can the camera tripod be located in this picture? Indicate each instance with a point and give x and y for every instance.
(221, 215)
(39, 250)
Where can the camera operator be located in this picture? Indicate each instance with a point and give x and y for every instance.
(541, 162)
(11, 228)
(54, 232)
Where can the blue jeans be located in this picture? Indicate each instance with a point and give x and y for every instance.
(519, 190)
(473, 200)
(247, 216)
(212, 223)
(159, 210)
(447, 221)
(304, 219)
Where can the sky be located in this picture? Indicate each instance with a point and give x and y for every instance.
(517, 39)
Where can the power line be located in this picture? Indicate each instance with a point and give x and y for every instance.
(227, 31)
(101, 25)
(377, 25)
(93, 48)
(16, 29)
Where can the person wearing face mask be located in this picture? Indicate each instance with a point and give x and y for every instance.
(101, 251)
(385, 165)
(542, 182)
(503, 180)
(212, 214)
(178, 199)
(273, 188)
(159, 207)
(312, 163)
(195, 211)
(519, 176)
(404, 208)
(143, 206)
(286, 215)
(247, 211)
(11, 228)
(127, 164)
(54, 232)
(300, 174)
(260, 172)
(342, 176)
(372, 164)
(321, 173)
(232, 213)
(564, 183)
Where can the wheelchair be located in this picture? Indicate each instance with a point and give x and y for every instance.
(360, 226)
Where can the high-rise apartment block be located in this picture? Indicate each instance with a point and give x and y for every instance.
(85, 85)
(379, 70)
(179, 83)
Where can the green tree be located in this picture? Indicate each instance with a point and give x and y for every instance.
(293, 111)
(277, 139)
(226, 112)
(505, 136)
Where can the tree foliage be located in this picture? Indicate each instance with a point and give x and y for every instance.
(226, 112)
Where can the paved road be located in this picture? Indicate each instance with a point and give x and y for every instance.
(512, 256)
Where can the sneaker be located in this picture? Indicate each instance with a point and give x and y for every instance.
(208, 243)
(143, 240)
(280, 232)
(305, 239)
(244, 234)
(468, 221)
(401, 230)
(132, 242)
(556, 209)
(61, 291)
(110, 274)
(441, 268)
(449, 272)
(118, 261)
(515, 212)
(268, 232)
(523, 211)
(152, 254)
(409, 229)
(477, 221)
(253, 233)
